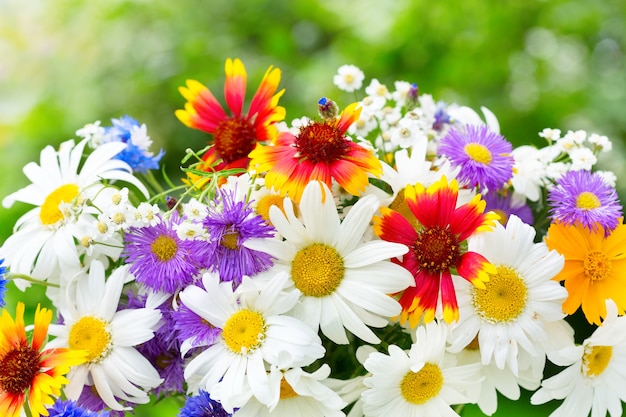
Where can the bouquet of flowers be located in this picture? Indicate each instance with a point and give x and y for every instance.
(396, 256)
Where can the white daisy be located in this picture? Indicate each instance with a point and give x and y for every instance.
(349, 78)
(92, 322)
(254, 334)
(497, 380)
(297, 393)
(422, 382)
(509, 314)
(338, 276)
(595, 378)
(43, 238)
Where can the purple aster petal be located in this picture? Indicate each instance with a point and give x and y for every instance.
(582, 197)
(505, 206)
(159, 259)
(230, 223)
(490, 173)
(191, 326)
(89, 399)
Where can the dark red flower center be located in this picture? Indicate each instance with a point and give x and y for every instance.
(235, 138)
(18, 369)
(437, 249)
(321, 142)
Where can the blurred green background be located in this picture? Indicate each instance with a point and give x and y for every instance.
(534, 63)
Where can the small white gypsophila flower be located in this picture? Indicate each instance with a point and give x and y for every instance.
(582, 158)
(608, 177)
(93, 132)
(550, 134)
(600, 142)
(195, 210)
(349, 78)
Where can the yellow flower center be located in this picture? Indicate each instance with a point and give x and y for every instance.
(164, 247)
(503, 298)
(286, 391)
(587, 201)
(92, 335)
(244, 331)
(596, 359)
(478, 153)
(50, 209)
(266, 202)
(420, 387)
(230, 240)
(18, 367)
(436, 249)
(235, 138)
(503, 216)
(348, 78)
(400, 205)
(317, 270)
(596, 265)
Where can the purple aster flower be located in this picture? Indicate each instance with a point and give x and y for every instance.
(71, 409)
(136, 154)
(159, 259)
(90, 400)
(506, 205)
(3, 284)
(230, 223)
(582, 197)
(202, 405)
(484, 156)
(192, 327)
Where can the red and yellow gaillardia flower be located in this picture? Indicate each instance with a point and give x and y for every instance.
(435, 230)
(595, 267)
(26, 371)
(321, 151)
(237, 133)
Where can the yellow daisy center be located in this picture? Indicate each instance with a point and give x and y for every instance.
(50, 209)
(348, 78)
(503, 298)
(266, 202)
(244, 331)
(92, 335)
(230, 240)
(286, 391)
(420, 387)
(317, 270)
(437, 249)
(478, 153)
(164, 247)
(596, 359)
(504, 217)
(596, 265)
(18, 367)
(587, 201)
(235, 138)
(321, 142)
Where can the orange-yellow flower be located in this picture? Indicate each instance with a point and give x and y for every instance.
(436, 241)
(595, 267)
(321, 152)
(237, 133)
(26, 371)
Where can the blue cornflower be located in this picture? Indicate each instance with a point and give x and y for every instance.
(583, 197)
(3, 284)
(69, 408)
(136, 154)
(230, 223)
(202, 405)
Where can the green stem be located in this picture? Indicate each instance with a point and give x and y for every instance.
(458, 408)
(32, 280)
